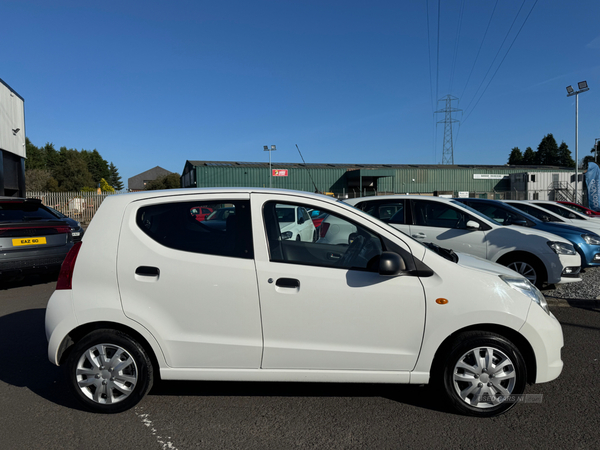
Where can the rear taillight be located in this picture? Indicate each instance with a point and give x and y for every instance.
(65, 278)
(324, 227)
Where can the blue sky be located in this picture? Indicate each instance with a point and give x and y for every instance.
(150, 83)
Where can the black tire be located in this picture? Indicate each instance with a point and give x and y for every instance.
(530, 268)
(101, 385)
(469, 387)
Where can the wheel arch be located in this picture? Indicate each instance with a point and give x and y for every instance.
(83, 330)
(512, 335)
(527, 256)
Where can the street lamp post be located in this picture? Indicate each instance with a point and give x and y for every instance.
(267, 149)
(582, 86)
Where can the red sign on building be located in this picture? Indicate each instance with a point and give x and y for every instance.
(280, 172)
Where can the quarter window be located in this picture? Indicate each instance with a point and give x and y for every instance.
(226, 231)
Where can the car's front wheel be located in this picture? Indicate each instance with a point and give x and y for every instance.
(109, 371)
(483, 374)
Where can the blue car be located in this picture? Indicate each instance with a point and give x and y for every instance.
(585, 242)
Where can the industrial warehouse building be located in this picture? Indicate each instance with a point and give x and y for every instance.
(12, 142)
(359, 180)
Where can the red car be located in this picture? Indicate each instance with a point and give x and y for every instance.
(581, 209)
(200, 212)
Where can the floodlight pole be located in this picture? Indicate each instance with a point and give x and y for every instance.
(272, 149)
(583, 87)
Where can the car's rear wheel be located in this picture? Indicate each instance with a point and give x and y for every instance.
(109, 371)
(483, 375)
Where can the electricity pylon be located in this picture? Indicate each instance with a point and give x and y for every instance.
(448, 148)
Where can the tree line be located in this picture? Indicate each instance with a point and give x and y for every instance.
(548, 153)
(67, 170)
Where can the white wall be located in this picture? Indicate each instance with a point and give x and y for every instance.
(12, 116)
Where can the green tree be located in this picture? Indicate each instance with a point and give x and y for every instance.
(114, 179)
(36, 180)
(105, 187)
(547, 152)
(585, 162)
(52, 185)
(51, 156)
(72, 173)
(96, 165)
(516, 157)
(564, 156)
(171, 181)
(36, 158)
(528, 157)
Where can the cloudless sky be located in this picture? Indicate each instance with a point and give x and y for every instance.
(156, 83)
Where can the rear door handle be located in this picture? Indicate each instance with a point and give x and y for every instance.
(291, 283)
(147, 271)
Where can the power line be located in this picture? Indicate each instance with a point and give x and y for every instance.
(499, 65)
(479, 51)
(437, 78)
(456, 43)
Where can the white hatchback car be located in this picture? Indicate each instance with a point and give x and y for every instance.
(295, 223)
(540, 256)
(384, 309)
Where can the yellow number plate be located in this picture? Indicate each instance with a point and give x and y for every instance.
(29, 241)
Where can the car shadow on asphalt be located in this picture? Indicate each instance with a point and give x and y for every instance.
(414, 395)
(24, 356)
(29, 280)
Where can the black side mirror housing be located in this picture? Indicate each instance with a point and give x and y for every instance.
(391, 264)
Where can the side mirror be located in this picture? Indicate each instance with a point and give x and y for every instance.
(352, 237)
(300, 220)
(391, 263)
(471, 224)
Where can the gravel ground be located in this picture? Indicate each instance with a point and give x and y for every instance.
(588, 289)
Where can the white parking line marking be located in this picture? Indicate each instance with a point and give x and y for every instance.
(164, 441)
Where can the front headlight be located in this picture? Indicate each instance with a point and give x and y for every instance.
(287, 235)
(562, 248)
(524, 286)
(592, 239)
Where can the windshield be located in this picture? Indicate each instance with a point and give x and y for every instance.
(504, 214)
(472, 210)
(23, 211)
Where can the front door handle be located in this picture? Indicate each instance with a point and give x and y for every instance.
(290, 283)
(147, 271)
(419, 235)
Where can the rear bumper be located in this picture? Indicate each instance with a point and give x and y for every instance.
(30, 260)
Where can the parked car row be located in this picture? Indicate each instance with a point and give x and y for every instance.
(541, 256)
(357, 301)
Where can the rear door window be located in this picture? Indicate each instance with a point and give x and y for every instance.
(227, 232)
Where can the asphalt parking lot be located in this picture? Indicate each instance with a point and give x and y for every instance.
(38, 411)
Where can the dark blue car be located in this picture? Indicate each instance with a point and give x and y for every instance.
(585, 242)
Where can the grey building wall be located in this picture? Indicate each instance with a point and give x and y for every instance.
(139, 182)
